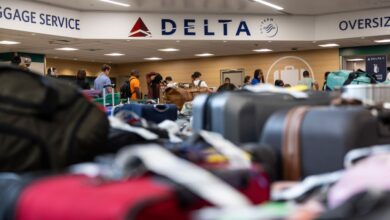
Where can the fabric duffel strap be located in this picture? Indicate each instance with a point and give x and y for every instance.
(199, 181)
(291, 143)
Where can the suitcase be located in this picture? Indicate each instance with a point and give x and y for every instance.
(371, 94)
(46, 123)
(314, 140)
(154, 113)
(125, 189)
(240, 116)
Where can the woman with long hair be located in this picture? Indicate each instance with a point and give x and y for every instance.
(258, 77)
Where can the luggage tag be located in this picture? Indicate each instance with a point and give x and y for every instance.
(263, 88)
(118, 124)
(238, 159)
(201, 182)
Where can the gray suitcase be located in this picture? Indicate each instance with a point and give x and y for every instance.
(239, 116)
(314, 140)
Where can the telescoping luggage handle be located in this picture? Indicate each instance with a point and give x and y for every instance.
(354, 156)
(267, 88)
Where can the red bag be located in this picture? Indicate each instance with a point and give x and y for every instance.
(75, 197)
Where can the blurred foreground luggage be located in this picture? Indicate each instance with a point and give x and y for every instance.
(46, 123)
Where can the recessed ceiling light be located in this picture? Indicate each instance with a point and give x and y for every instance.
(114, 54)
(262, 50)
(383, 41)
(277, 7)
(329, 45)
(177, 41)
(204, 55)
(7, 42)
(67, 49)
(169, 50)
(225, 41)
(116, 3)
(75, 59)
(153, 58)
(355, 60)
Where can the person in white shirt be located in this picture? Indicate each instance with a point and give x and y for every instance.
(197, 81)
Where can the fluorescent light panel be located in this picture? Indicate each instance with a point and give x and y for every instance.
(153, 58)
(116, 3)
(67, 49)
(355, 60)
(262, 50)
(383, 41)
(204, 55)
(114, 54)
(8, 42)
(277, 7)
(329, 45)
(169, 50)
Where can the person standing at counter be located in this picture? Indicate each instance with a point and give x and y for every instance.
(197, 80)
(81, 80)
(258, 77)
(103, 79)
(135, 90)
(308, 81)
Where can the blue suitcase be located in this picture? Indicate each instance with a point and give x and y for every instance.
(154, 113)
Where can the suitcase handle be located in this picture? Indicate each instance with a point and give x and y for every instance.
(161, 108)
(267, 88)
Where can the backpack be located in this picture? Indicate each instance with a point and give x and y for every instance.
(47, 124)
(125, 90)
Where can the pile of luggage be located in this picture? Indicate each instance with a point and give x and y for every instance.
(260, 153)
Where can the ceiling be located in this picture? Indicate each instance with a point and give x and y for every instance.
(295, 7)
(137, 50)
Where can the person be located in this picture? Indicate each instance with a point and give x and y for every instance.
(197, 81)
(103, 80)
(20, 62)
(279, 83)
(325, 87)
(135, 91)
(81, 80)
(308, 81)
(258, 77)
(169, 82)
(27, 62)
(154, 84)
(247, 81)
(52, 72)
(388, 73)
(227, 86)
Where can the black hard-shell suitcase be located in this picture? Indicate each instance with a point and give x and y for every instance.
(314, 140)
(239, 116)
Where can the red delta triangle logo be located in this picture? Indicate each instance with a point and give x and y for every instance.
(140, 29)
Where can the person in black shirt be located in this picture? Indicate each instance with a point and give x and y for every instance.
(227, 86)
(81, 80)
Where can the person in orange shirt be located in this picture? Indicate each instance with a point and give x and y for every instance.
(135, 90)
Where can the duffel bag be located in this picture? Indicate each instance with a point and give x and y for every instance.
(45, 123)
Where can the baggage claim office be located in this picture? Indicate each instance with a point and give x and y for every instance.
(217, 38)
